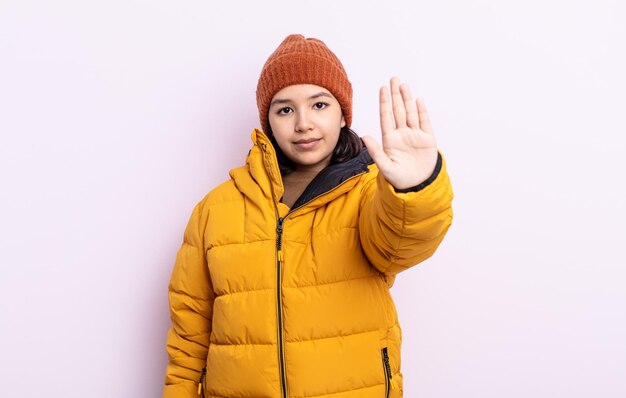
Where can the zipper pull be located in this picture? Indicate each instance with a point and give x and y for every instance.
(201, 380)
(279, 237)
(279, 226)
(392, 382)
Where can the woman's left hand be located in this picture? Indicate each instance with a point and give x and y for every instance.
(409, 153)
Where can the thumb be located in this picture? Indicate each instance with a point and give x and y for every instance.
(376, 152)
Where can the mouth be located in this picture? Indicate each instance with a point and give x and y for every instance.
(307, 141)
(307, 144)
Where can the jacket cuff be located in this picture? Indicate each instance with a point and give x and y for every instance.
(416, 206)
(428, 181)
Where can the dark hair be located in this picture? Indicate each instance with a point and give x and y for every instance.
(348, 146)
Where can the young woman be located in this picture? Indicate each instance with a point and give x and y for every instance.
(281, 286)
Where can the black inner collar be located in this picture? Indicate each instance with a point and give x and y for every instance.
(333, 175)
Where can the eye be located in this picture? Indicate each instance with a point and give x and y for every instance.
(284, 111)
(320, 105)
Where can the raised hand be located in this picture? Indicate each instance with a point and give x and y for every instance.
(409, 153)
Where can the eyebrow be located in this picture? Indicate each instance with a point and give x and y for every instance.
(287, 101)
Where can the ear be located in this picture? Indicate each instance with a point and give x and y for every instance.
(343, 121)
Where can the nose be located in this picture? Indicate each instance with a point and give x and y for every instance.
(303, 122)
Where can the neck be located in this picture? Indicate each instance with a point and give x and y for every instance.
(306, 172)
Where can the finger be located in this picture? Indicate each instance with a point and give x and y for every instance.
(386, 121)
(399, 112)
(377, 153)
(424, 119)
(412, 117)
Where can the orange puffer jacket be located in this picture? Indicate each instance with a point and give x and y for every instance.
(268, 301)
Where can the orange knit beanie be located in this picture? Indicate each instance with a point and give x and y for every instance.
(298, 60)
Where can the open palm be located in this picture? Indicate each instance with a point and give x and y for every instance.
(409, 152)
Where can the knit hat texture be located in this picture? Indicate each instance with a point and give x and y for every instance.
(299, 60)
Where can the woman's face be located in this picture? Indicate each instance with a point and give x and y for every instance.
(306, 120)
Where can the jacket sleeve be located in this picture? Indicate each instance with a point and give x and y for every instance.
(399, 229)
(191, 298)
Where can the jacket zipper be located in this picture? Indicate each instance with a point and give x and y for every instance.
(279, 266)
(279, 298)
(201, 381)
(385, 360)
(279, 303)
(390, 384)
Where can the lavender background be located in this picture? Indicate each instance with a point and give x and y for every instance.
(116, 117)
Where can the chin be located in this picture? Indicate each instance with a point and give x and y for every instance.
(308, 161)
